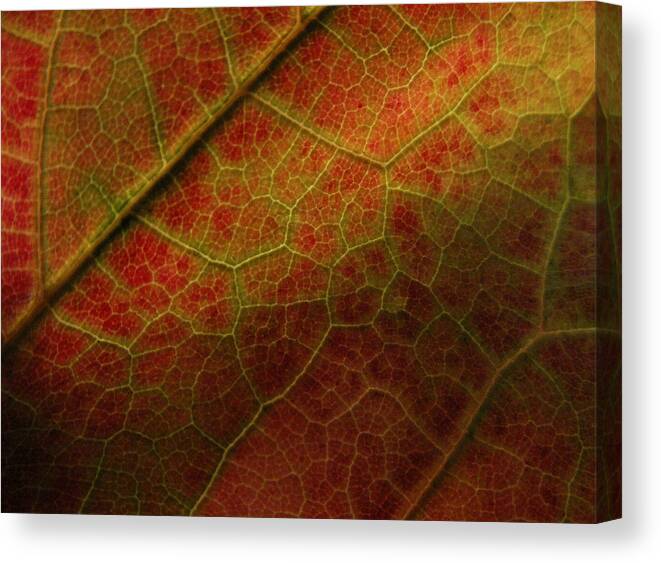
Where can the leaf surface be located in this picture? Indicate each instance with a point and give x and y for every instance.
(354, 262)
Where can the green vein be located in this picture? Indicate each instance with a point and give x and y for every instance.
(42, 158)
(62, 280)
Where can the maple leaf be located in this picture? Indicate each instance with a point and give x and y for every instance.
(352, 262)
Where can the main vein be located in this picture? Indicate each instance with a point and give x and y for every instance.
(69, 273)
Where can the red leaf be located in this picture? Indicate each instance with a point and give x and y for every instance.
(353, 262)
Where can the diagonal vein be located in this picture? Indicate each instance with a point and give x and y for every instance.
(61, 282)
(448, 460)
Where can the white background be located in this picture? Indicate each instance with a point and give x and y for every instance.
(637, 537)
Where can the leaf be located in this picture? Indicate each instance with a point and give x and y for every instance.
(353, 262)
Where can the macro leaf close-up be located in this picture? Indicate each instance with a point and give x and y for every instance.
(319, 262)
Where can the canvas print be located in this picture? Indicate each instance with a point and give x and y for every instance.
(321, 262)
